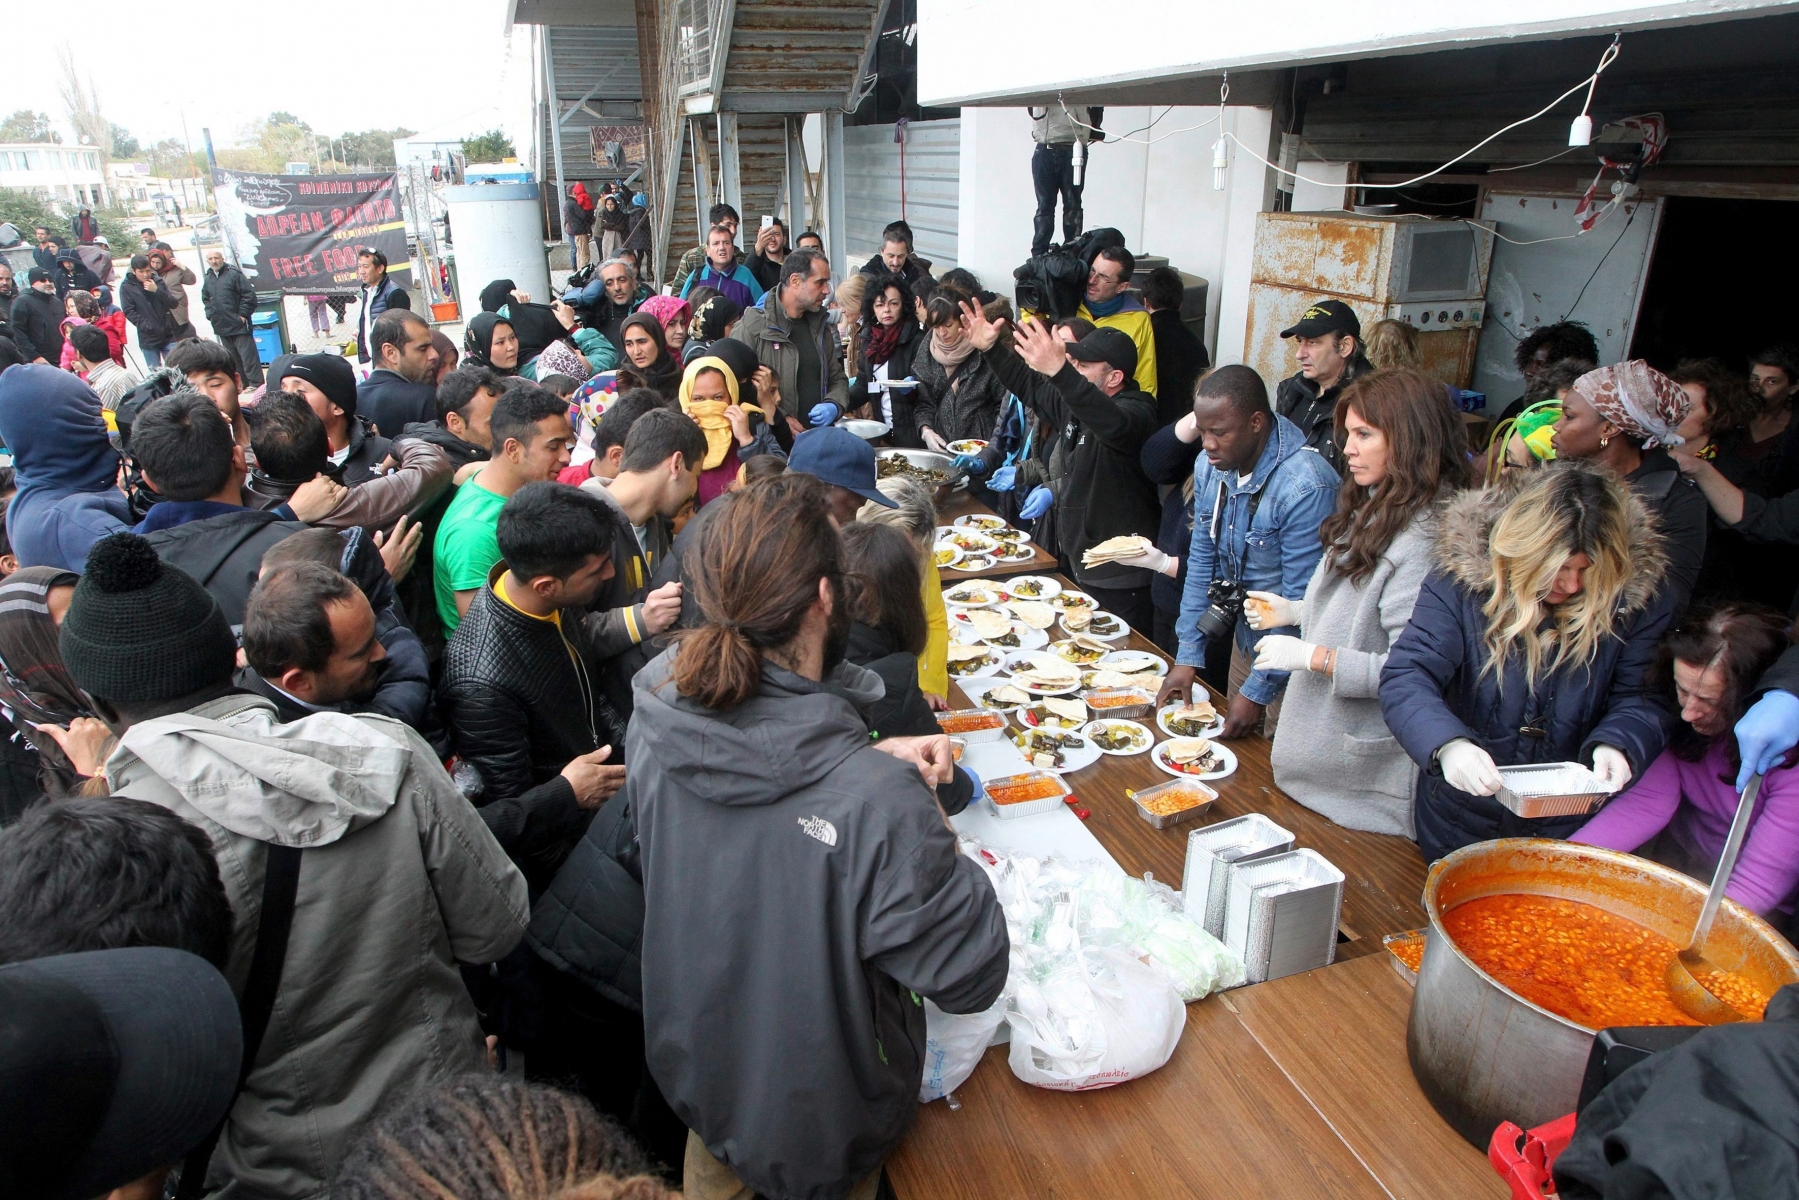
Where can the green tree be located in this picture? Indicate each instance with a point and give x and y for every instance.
(27, 126)
(492, 146)
(370, 149)
(123, 144)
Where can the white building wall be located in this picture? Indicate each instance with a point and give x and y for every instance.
(1156, 189)
(871, 169)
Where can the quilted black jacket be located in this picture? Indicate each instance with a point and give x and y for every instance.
(969, 410)
(520, 707)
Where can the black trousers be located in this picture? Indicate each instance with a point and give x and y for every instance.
(1052, 172)
(1131, 604)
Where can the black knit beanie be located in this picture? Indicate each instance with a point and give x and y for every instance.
(140, 631)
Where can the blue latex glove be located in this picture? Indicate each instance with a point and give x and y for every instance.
(980, 793)
(1767, 731)
(1004, 479)
(974, 464)
(1037, 503)
(824, 414)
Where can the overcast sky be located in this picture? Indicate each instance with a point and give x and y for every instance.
(436, 66)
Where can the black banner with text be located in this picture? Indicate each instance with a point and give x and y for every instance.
(299, 234)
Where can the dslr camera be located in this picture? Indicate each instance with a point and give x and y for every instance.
(1226, 605)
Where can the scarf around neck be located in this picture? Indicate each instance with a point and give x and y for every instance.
(882, 341)
(1108, 308)
(949, 358)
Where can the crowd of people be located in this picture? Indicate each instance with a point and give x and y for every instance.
(538, 733)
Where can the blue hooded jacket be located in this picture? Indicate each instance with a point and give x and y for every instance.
(66, 469)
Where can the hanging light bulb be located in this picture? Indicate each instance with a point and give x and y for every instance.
(1581, 132)
(1220, 161)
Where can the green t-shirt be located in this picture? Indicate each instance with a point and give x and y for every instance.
(466, 548)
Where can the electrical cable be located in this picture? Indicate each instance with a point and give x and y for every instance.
(1590, 82)
(1595, 274)
(1127, 137)
(1538, 163)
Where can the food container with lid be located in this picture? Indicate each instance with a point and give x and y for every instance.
(1405, 946)
(1561, 789)
(1174, 802)
(1214, 851)
(1123, 703)
(973, 725)
(1281, 914)
(1029, 781)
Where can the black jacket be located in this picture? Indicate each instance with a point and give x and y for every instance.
(222, 552)
(917, 270)
(1180, 357)
(968, 407)
(1101, 491)
(902, 712)
(520, 708)
(229, 300)
(1298, 399)
(589, 921)
(899, 366)
(575, 218)
(37, 326)
(1168, 462)
(367, 450)
(1683, 515)
(152, 312)
(81, 279)
(389, 401)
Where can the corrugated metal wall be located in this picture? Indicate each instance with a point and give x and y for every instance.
(933, 171)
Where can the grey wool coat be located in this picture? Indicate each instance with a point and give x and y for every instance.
(1333, 751)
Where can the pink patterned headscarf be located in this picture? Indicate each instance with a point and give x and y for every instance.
(665, 307)
(1637, 398)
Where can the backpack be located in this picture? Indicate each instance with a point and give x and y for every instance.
(1054, 283)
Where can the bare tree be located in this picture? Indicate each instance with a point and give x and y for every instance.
(82, 102)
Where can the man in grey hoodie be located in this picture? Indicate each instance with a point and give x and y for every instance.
(398, 880)
(802, 890)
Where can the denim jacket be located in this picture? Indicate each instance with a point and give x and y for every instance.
(1273, 551)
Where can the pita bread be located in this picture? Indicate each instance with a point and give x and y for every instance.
(1106, 678)
(1112, 549)
(960, 653)
(1188, 750)
(1077, 618)
(1034, 613)
(987, 623)
(1008, 694)
(1073, 710)
(1200, 710)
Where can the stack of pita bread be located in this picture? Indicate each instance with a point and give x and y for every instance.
(1034, 613)
(1046, 672)
(986, 623)
(1112, 549)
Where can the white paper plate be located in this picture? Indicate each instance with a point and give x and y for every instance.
(976, 689)
(1211, 731)
(961, 630)
(993, 668)
(1135, 656)
(979, 543)
(1028, 658)
(1072, 760)
(1159, 756)
(1050, 590)
(1092, 727)
(967, 446)
(989, 595)
(1083, 664)
(1062, 596)
(1013, 551)
(954, 550)
(1124, 630)
(975, 562)
(980, 521)
(1018, 716)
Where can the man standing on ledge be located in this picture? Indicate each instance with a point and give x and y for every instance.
(1329, 349)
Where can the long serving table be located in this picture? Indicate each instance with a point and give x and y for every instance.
(1297, 1087)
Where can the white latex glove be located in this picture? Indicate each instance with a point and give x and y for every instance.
(1280, 612)
(1278, 652)
(933, 442)
(1153, 559)
(1611, 766)
(1468, 768)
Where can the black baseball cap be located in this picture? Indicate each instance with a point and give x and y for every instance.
(1110, 346)
(38, 275)
(1325, 316)
(838, 457)
(113, 1063)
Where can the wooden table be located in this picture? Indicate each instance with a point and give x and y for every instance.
(1297, 1087)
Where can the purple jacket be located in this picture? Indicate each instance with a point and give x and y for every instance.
(1695, 802)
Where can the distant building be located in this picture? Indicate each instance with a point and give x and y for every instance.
(51, 172)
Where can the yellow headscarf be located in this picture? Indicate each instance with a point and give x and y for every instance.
(709, 415)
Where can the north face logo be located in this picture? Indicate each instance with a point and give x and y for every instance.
(820, 828)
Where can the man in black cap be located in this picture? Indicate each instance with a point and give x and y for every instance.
(37, 319)
(1089, 391)
(1329, 350)
(115, 1064)
(328, 383)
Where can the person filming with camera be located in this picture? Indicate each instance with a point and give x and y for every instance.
(1259, 496)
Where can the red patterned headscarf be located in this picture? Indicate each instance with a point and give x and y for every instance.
(1637, 398)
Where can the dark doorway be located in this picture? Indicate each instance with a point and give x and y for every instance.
(1718, 279)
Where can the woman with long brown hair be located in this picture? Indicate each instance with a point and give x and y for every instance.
(1406, 453)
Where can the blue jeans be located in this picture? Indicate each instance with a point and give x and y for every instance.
(152, 355)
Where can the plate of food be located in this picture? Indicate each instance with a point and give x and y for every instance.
(1057, 750)
(985, 522)
(1081, 651)
(1094, 623)
(1194, 758)
(996, 628)
(1199, 719)
(1135, 662)
(1051, 712)
(967, 446)
(999, 695)
(1013, 551)
(976, 660)
(1064, 599)
(971, 595)
(1118, 737)
(1007, 534)
(970, 541)
(946, 554)
(975, 562)
(1034, 613)
(1035, 587)
(1104, 678)
(1042, 674)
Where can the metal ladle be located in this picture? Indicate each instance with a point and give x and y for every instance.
(1689, 994)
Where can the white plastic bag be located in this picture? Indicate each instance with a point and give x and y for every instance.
(1104, 1018)
(953, 1047)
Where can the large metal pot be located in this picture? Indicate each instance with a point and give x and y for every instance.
(1482, 1053)
(931, 460)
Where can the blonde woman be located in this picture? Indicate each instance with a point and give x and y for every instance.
(1531, 641)
(917, 515)
(1394, 344)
